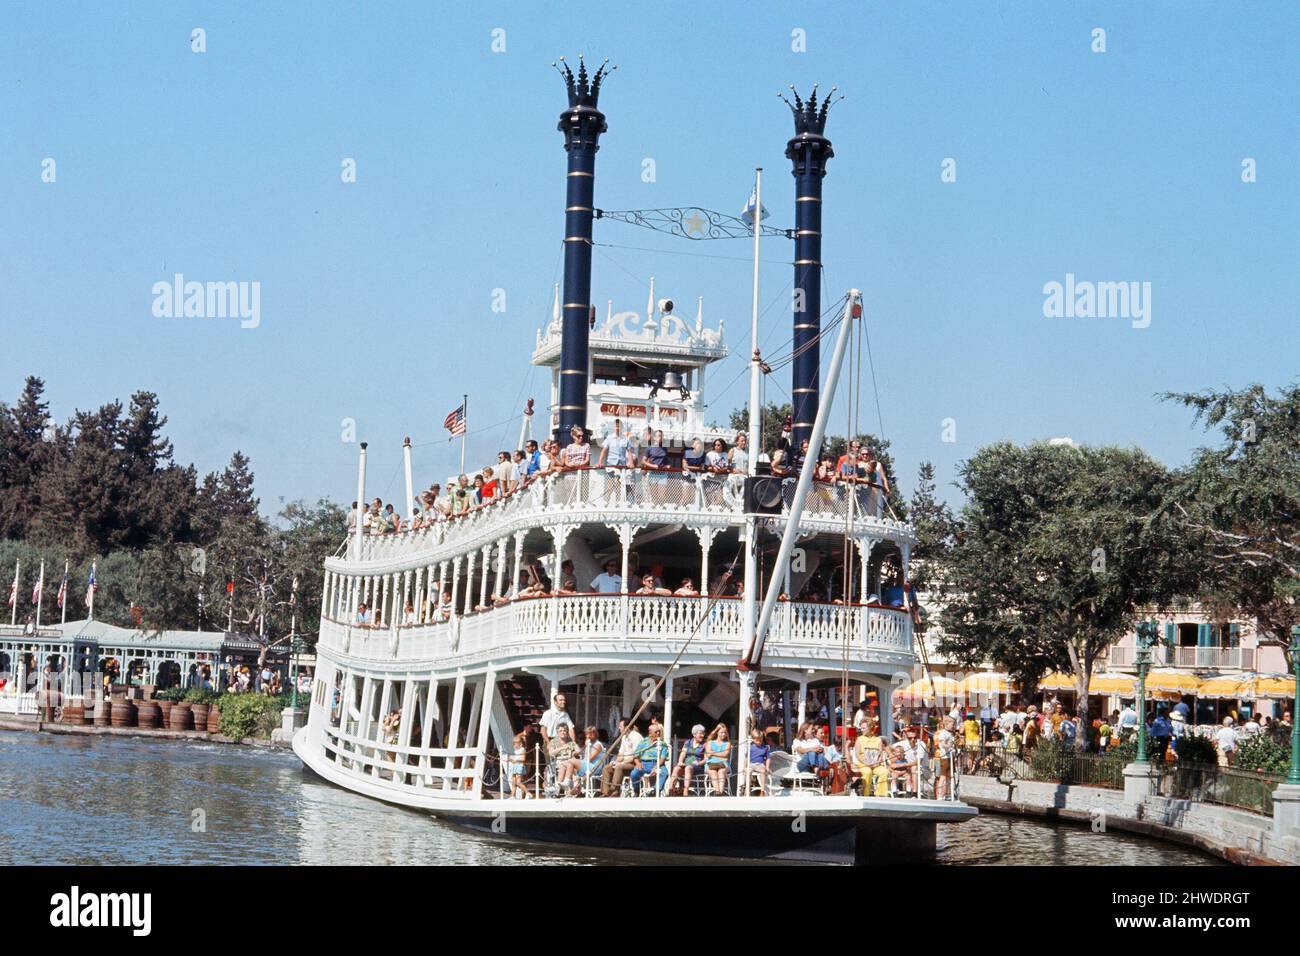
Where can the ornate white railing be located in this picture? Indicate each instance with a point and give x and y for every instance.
(618, 494)
(614, 622)
(1242, 658)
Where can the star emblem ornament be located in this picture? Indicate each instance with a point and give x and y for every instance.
(695, 223)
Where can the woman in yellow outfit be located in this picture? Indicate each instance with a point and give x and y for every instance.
(869, 759)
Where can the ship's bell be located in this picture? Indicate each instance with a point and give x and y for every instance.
(671, 380)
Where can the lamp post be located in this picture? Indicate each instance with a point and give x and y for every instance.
(1146, 636)
(1293, 775)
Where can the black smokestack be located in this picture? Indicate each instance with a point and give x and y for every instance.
(808, 151)
(581, 125)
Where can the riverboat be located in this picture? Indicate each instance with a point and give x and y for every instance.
(432, 658)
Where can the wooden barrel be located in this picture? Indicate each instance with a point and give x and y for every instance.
(102, 713)
(214, 719)
(165, 710)
(123, 714)
(181, 718)
(73, 713)
(148, 715)
(199, 714)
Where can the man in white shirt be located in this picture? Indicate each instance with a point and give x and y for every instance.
(608, 581)
(614, 450)
(1128, 721)
(553, 717)
(1226, 742)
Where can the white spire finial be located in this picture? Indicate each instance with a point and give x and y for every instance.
(651, 325)
(699, 316)
(555, 305)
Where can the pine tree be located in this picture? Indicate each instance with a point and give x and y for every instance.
(935, 527)
(26, 428)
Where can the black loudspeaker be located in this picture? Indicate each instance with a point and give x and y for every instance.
(763, 495)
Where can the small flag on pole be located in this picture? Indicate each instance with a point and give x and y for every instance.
(91, 587)
(63, 589)
(455, 422)
(36, 590)
(293, 592)
(748, 215)
(13, 592)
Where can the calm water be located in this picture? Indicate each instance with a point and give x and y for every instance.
(125, 800)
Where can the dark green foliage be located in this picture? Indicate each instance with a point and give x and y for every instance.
(105, 486)
(248, 715)
(1242, 499)
(1056, 551)
(1259, 752)
(1197, 749)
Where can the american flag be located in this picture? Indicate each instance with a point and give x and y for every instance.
(13, 591)
(36, 591)
(63, 589)
(91, 586)
(455, 422)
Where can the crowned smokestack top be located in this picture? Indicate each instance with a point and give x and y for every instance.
(808, 150)
(582, 124)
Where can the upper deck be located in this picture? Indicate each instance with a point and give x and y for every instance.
(619, 497)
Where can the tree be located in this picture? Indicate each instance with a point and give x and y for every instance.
(771, 419)
(24, 430)
(935, 527)
(1057, 550)
(1243, 499)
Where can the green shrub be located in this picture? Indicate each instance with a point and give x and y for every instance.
(199, 695)
(1262, 753)
(171, 693)
(248, 715)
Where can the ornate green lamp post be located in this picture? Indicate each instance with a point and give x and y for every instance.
(1293, 775)
(1146, 637)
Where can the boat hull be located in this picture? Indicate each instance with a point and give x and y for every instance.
(805, 828)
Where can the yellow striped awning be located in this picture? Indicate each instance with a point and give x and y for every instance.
(1057, 681)
(925, 689)
(1170, 680)
(1112, 684)
(1223, 687)
(1268, 686)
(989, 684)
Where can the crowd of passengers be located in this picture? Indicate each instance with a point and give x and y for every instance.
(516, 470)
(585, 763)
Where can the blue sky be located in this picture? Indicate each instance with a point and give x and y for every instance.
(376, 295)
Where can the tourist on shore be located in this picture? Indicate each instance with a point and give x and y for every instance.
(1162, 732)
(945, 749)
(1225, 741)
(624, 762)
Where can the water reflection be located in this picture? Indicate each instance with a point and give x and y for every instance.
(111, 800)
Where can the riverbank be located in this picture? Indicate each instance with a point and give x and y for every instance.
(36, 725)
(1234, 836)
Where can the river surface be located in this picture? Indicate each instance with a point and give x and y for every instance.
(111, 800)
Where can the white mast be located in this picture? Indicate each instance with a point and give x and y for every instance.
(406, 464)
(361, 502)
(754, 648)
(751, 522)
